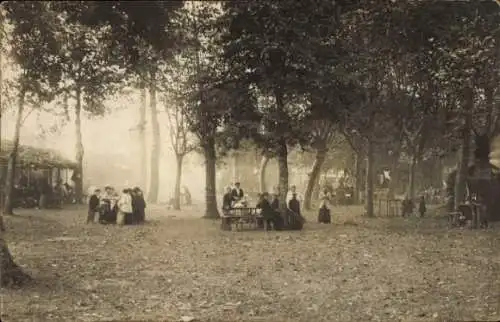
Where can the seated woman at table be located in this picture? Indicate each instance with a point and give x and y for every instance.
(237, 192)
(241, 203)
(227, 201)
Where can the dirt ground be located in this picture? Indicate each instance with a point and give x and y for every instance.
(178, 267)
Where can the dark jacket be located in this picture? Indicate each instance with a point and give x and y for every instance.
(275, 204)
(138, 203)
(294, 204)
(227, 201)
(237, 194)
(421, 207)
(93, 203)
(267, 210)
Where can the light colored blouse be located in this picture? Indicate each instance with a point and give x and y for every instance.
(125, 203)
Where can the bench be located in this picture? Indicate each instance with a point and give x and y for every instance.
(241, 216)
(471, 213)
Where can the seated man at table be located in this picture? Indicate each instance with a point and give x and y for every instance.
(269, 214)
(227, 201)
(275, 202)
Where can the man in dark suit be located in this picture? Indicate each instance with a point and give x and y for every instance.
(237, 192)
(270, 215)
(227, 201)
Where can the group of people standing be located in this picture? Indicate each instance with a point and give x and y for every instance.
(127, 208)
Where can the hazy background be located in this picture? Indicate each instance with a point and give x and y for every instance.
(111, 145)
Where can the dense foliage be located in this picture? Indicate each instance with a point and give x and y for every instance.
(403, 82)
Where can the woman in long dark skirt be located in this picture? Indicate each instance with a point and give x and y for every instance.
(139, 206)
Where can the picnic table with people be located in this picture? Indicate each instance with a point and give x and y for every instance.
(265, 214)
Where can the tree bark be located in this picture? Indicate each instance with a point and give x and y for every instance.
(154, 183)
(79, 146)
(178, 178)
(142, 137)
(394, 171)
(464, 157)
(358, 177)
(369, 179)
(12, 274)
(11, 167)
(282, 156)
(314, 175)
(490, 102)
(211, 211)
(316, 187)
(411, 177)
(262, 172)
(236, 172)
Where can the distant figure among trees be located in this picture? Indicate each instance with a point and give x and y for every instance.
(407, 206)
(187, 196)
(422, 209)
(324, 215)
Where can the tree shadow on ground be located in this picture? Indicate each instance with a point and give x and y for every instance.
(33, 227)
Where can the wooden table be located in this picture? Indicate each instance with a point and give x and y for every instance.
(240, 216)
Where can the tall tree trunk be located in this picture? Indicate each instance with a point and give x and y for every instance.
(369, 179)
(317, 187)
(211, 211)
(12, 274)
(314, 175)
(11, 167)
(489, 93)
(262, 172)
(236, 170)
(282, 156)
(463, 160)
(178, 178)
(411, 177)
(142, 137)
(79, 147)
(154, 182)
(358, 177)
(394, 172)
(2, 183)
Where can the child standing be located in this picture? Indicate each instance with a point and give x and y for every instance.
(93, 206)
(124, 206)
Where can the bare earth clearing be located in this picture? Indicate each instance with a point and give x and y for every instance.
(182, 267)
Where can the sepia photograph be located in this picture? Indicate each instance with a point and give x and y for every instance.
(250, 161)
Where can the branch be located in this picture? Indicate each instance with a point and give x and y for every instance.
(27, 114)
(171, 130)
(351, 142)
